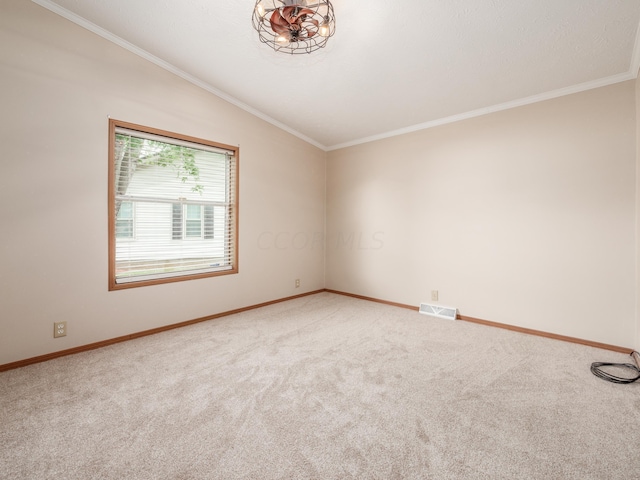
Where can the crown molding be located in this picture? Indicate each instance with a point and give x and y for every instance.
(630, 75)
(92, 27)
(603, 82)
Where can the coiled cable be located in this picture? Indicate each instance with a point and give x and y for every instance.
(597, 370)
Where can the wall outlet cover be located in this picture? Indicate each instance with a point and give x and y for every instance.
(59, 329)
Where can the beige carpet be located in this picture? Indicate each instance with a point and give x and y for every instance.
(322, 387)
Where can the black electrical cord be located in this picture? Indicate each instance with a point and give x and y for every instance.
(596, 369)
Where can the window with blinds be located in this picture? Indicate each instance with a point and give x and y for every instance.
(173, 207)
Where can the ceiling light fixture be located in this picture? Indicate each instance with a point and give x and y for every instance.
(294, 26)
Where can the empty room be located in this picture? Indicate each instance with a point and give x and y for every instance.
(319, 239)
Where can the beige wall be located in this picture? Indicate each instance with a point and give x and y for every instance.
(525, 217)
(60, 83)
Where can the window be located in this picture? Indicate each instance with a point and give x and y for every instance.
(198, 221)
(124, 220)
(193, 221)
(173, 207)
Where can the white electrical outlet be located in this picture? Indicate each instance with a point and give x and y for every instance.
(297, 283)
(59, 329)
(434, 295)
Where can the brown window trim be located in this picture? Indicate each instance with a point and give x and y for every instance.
(113, 124)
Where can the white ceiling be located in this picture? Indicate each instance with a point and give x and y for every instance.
(392, 66)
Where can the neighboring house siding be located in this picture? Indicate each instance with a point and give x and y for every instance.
(155, 221)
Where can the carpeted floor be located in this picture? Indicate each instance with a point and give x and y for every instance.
(322, 387)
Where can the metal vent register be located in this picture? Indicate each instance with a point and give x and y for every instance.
(448, 313)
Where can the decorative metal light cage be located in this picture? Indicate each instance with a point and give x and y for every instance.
(294, 26)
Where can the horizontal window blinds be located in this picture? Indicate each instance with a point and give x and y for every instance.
(174, 207)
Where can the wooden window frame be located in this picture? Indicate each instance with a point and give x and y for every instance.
(234, 200)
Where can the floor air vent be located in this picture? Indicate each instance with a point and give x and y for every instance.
(448, 313)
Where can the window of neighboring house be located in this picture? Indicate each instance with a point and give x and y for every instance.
(173, 206)
(193, 221)
(124, 220)
(197, 221)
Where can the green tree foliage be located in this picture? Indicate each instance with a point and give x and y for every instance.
(132, 153)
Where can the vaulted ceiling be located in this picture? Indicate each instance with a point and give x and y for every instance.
(392, 66)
